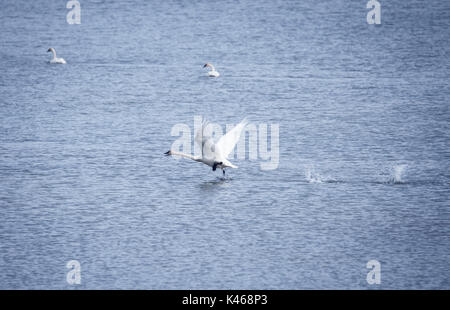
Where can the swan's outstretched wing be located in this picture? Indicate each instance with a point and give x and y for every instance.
(227, 142)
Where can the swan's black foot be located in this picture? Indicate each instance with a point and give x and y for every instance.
(223, 170)
(215, 165)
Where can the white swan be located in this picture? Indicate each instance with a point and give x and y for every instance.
(215, 154)
(55, 60)
(213, 72)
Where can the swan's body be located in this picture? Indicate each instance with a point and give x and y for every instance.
(215, 154)
(56, 60)
(212, 72)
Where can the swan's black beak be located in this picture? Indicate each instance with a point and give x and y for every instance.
(167, 153)
(205, 65)
(49, 50)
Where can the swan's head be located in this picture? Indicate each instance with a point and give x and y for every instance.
(168, 153)
(51, 49)
(207, 65)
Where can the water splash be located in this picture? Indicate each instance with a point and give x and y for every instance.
(397, 174)
(313, 177)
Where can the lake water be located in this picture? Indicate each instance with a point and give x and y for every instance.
(363, 173)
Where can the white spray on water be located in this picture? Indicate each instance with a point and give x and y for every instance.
(397, 174)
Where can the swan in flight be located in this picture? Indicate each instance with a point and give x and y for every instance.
(213, 72)
(215, 154)
(55, 60)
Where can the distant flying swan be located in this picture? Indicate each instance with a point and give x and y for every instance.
(213, 72)
(215, 154)
(55, 60)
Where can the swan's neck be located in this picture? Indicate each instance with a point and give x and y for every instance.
(185, 155)
(212, 68)
(54, 54)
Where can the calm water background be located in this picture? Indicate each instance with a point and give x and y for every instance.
(364, 145)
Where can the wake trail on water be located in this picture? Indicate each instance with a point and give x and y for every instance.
(396, 176)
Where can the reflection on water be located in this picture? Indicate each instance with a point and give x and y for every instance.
(219, 181)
